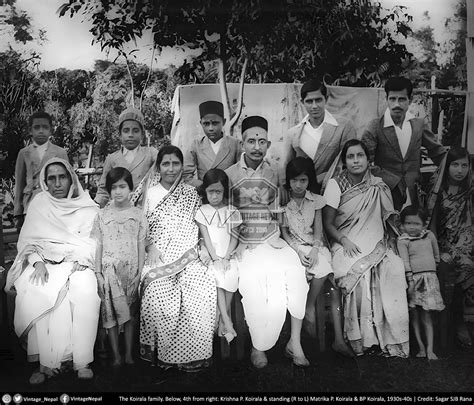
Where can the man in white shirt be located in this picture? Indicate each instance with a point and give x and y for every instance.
(394, 142)
(320, 136)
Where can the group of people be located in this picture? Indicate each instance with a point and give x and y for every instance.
(179, 233)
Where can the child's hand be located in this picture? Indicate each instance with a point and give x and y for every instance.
(226, 264)
(446, 257)
(154, 256)
(218, 265)
(304, 259)
(313, 257)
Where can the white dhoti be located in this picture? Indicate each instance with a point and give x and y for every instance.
(271, 282)
(69, 330)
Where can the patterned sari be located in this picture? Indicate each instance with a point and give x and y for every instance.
(178, 307)
(451, 220)
(373, 283)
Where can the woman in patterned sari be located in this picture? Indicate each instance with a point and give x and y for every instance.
(178, 307)
(370, 275)
(449, 203)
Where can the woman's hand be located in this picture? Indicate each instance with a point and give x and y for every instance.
(100, 284)
(40, 274)
(313, 257)
(78, 267)
(350, 248)
(446, 257)
(204, 256)
(154, 256)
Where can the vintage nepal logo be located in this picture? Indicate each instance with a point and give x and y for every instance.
(258, 202)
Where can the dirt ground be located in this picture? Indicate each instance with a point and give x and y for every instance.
(328, 372)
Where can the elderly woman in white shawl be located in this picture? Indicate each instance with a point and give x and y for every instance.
(57, 306)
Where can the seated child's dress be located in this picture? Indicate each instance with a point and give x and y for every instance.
(119, 231)
(300, 221)
(419, 258)
(219, 224)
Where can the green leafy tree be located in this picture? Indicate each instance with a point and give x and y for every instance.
(279, 40)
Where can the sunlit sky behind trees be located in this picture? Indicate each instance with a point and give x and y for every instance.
(68, 41)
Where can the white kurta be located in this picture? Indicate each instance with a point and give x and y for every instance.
(271, 282)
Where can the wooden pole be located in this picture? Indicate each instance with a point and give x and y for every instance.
(468, 135)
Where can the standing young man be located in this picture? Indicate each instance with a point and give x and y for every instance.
(213, 150)
(320, 136)
(394, 141)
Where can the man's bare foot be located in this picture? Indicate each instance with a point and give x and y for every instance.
(258, 358)
(129, 360)
(431, 355)
(421, 353)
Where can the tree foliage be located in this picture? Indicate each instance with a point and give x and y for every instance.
(285, 40)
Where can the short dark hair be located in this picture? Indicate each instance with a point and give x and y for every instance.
(413, 210)
(301, 165)
(169, 150)
(116, 174)
(353, 142)
(313, 85)
(398, 84)
(40, 114)
(213, 176)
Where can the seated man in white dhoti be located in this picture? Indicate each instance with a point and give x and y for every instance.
(57, 306)
(272, 279)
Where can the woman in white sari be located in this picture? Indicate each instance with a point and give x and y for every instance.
(370, 275)
(57, 306)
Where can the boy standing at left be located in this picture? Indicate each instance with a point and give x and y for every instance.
(30, 161)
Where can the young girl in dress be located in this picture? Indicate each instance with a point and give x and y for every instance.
(219, 227)
(419, 250)
(302, 229)
(120, 231)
